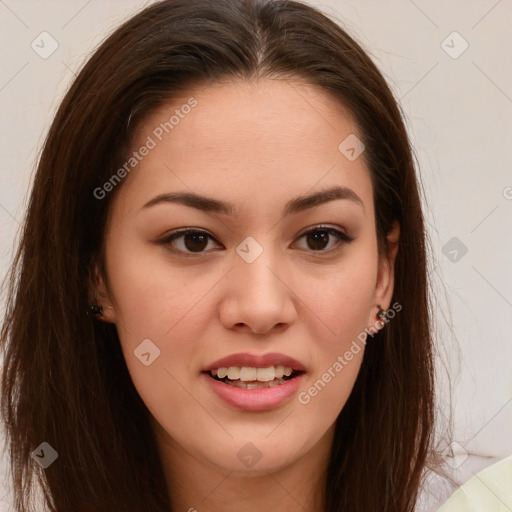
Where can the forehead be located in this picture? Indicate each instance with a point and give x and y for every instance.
(247, 141)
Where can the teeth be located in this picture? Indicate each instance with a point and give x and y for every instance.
(222, 372)
(233, 373)
(254, 385)
(248, 374)
(266, 374)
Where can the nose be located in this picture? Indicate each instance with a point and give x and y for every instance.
(258, 296)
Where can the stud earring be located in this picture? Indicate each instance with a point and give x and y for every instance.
(95, 310)
(381, 313)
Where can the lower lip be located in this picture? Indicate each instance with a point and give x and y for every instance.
(254, 399)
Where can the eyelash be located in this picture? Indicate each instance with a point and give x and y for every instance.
(340, 235)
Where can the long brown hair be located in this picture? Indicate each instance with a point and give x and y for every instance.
(65, 381)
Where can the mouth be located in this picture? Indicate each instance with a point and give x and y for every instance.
(255, 382)
(250, 377)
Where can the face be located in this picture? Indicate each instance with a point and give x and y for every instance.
(265, 275)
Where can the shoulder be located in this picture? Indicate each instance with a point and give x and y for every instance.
(489, 490)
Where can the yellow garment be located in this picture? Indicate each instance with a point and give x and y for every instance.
(487, 491)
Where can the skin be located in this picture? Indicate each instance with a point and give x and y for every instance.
(256, 145)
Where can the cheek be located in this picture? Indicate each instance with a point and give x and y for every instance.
(343, 308)
(341, 298)
(328, 390)
(153, 297)
(163, 304)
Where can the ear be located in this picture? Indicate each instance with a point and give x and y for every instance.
(98, 295)
(386, 273)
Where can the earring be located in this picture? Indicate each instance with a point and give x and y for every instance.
(95, 310)
(381, 313)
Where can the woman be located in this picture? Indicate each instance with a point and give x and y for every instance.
(219, 301)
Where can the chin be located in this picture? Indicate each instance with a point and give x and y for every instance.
(253, 455)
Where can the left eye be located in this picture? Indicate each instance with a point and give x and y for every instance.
(195, 241)
(319, 237)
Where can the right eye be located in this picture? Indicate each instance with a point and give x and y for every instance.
(187, 241)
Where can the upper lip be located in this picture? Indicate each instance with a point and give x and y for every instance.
(256, 361)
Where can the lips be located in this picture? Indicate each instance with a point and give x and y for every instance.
(255, 396)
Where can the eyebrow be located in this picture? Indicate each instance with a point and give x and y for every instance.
(294, 206)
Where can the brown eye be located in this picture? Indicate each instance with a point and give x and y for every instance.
(187, 241)
(318, 239)
(195, 242)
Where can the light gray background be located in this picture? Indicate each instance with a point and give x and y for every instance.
(458, 111)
